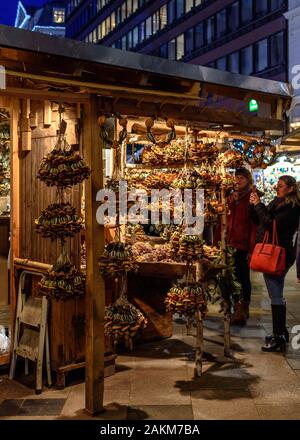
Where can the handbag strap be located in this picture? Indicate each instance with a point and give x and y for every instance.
(275, 236)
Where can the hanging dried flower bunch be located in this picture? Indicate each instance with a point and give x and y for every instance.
(63, 281)
(123, 320)
(63, 167)
(59, 221)
(117, 258)
(104, 136)
(185, 300)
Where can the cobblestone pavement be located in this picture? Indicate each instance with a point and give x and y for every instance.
(156, 382)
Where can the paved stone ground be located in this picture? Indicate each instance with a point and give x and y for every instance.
(156, 382)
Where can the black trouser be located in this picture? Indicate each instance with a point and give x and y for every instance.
(242, 272)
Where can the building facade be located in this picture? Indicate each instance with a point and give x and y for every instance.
(48, 19)
(239, 36)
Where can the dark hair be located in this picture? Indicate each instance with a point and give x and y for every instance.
(246, 173)
(294, 196)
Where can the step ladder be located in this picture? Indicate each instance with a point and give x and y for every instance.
(31, 338)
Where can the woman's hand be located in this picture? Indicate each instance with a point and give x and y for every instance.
(254, 199)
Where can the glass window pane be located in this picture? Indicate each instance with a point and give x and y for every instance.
(107, 24)
(261, 7)
(189, 41)
(171, 11)
(124, 43)
(113, 20)
(199, 35)
(171, 50)
(99, 31)
(276, 4)
(261, 55)
(129, 7)
(198, 2)
(103, 30)
(247, 60)
(233, 62)
(163, 16)
(277, 49)
(141, 31)
(179, 8)
(210, 30)
(135, 5)
(155, 22)
(129, 40)
(222, 63)
(123, 11)
(246, 11)
(148, 27)
(188, 5)
(233, 17)
(221, 23)
(179, 47)
(135, 36)
(163, 51)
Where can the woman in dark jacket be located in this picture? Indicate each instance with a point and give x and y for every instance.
(285, 210)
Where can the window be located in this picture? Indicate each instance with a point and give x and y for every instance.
(275, 4)
(188, 5)
(119, 15)
(103, 30)
(129, 40)
(135, 36)
(247, 60)
(171, 49)
(95, 36)
(179, 47)
(233, 17)
(99, 5)
(179, 8)
(135, 5)
(58, 15)
(163, 51)
(189, 41)
(210, 29)
(222, 63)
(123, 11)
(149, 27)
(261, 7)
(163, 16)
(171, 11)
(234, 62)
(277, 49)
(100, 32)
(141, 31)
(113, 21)
(261, 55)
(198, 2)
(123, 44)
(107, 25)
(221, 23)
(199, 35)
(246, 11)
(129, 7)
(155, 21)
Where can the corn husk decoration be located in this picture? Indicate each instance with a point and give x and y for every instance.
(117, 258)
(59, 221)
(63, 167)
(123, 320)
(63, 281)
(185, 300)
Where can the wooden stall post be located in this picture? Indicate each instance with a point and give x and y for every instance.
(95, 290)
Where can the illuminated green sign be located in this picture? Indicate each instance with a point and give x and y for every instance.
(253, 105)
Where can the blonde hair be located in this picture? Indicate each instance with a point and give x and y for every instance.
(293, 197)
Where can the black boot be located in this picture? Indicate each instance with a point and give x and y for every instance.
(277, 342)
(286, 332)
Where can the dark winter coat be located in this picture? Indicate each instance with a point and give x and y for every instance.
(241, 229)
(298, 252)
(287, 220)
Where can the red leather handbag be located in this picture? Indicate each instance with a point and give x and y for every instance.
(268, 257)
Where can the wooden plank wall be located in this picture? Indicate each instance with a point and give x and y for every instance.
(66, 344)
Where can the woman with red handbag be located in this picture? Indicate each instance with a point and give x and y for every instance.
(282, 214)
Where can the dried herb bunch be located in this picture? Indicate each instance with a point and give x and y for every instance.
(117, 258)
(186, 248)
(59, 221)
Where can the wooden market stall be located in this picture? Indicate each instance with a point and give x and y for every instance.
(44, 74)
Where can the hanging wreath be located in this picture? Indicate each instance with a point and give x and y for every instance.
(186, 247)
(186, 300)
(59, 221)
(116, 260)
(109, 143)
